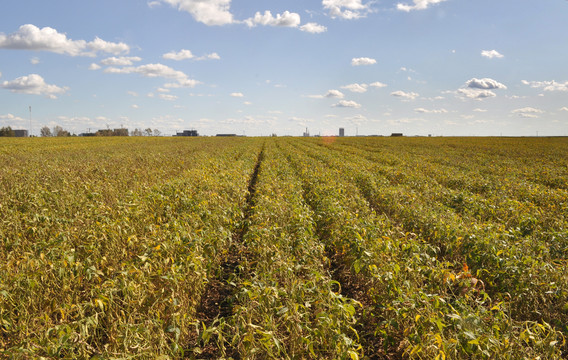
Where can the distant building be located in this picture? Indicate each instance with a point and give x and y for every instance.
(396, 134)
(341, 132)
(307, 133)
(87, 134)
(21, 133)
(188, 133)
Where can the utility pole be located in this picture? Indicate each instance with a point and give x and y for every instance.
(30, 121)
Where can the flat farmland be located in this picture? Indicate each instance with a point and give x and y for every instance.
(284, 248)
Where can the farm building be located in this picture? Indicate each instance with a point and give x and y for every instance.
(188, 133)
(21, 133)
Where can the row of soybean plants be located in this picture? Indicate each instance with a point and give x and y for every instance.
(285, 304)
(106, 244)
(418, 301)
(514, 235)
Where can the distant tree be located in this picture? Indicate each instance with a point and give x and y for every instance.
(63, 133)
(7, 132)
(136, 132)
(104, 132)
(45, 132)
(120, 132)
(56, 130)
(148, 132)
(157, 132)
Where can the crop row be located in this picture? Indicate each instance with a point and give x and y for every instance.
(90, 267)
(501, 275)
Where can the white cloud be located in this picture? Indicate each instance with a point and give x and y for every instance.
(94, 66)
(237, 94)
(11, 117)
(132, 93)
(484, 84)
(564, 108)
(492, 54)
(378, 84)
(120, 61)
(107, 47)
(330, 94)
(476, 93)
(346, 9)
(480, 110)
(178, 56)
(212, 56)
(247, 103)
(418, 5)
(156, 70)
(30, 37)
(363, 61)
(186, 54)
(434, 111)
(347, 104)
(134, 106)
(357, 88)
(33, 84)
(167, 97)
(34, 61)
(547, 85)
(334, 94)
(528, 112)
(210, 12)
(313, 28)
(405, 95)
(480, 88)
(286, 19)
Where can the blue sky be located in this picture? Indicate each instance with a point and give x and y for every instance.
(440, 67)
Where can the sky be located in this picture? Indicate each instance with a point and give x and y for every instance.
(255, 68)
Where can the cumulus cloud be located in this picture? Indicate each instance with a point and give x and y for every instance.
(157, 70)
(484, 84)
(120, 61)
(35, 85)
(237, 94)
(330, 94)
(378, 84)
(418, 5)
(313, 28)
(286, 19)
(347, 104)
(528, 112)
(34, 61)
(492, 54)
(480, 88)
(547, 85)
(564, 108)
(362, 61)
(211, 12)
(30, 37)
(357, 88)
(434, 111)
(187, 54)
(168, 97)
(346, 9)
(476, 93)
(405, 95)
(94, 66)
(11, 117)
(334, 94)
(178, 56)
(480, 110)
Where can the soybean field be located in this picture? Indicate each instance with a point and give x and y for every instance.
(284, 248)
